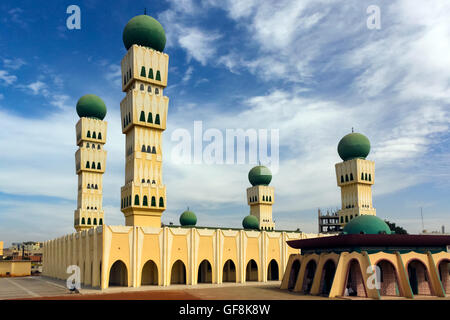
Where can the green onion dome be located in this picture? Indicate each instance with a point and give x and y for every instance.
(91, 106)
(260, 175)
(145, 31)
(353, 145)
(366, 224)
(250, 222)
(188, 218)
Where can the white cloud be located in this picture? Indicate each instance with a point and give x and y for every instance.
(14, 64)
(37, 87)
(7, 78)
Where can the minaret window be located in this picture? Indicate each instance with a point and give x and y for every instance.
(342, 219)
(121, 204)
(148, 180)
(150, 118)
(150, 73)
(158, 76)
(153, 202)
(153, 150)
(370, 177)
(129, 117)
(83, 221)
(143, 72)
(362, 176)
(98, 147)
(156, 91)
(342, 179)
(143, 148)
(142, 87)
(346, 178)
(100, 222)
(88, 135)
(96, 186)
(264, 198)
(149, 150)
(136, 200)
(161, 202)
(87, 145)
(149, 89)
(157, 119)
(346, 219)
(100, 136)
(99, 167)
(94, 136)
(87, 165)
(89, 221)
(365, 176)
(143, 181)
(129, 200)
(270, 198)
(142, 117)
(124, 80)
(88, 186)
(256, 198)
(95, 221)
(145, 201)
(351, 176)
(153, 182)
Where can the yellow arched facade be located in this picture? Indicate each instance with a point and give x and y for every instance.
(117, 255)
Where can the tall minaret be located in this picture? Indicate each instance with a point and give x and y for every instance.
(261, 197)
(144, 114)
(355, 175)
(90, 161)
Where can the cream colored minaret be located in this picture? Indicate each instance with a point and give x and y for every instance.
(90, 162)
(144, 114)
(355, 176)
(260, 197)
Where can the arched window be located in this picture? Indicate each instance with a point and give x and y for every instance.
(150, 73)
(88, 186)
(157, 119)
(264, 198)
(270, 198)
(99, 167)
(142, 87)
(88, 135)
(153, 150)
(129, 116)
(129, 200)
(98, 147)
(342, 179)
(156, 91)
(161, 202)
(136, 200)
(150, 118)
(89, 221)
(346, 219)
(100, 223)
(370, 177)
(94, 136)
(365, 176)
(143, 148)
(87, 145)
(143, 71)
(149, 89)
(256, 198)
(145, 201)
(100, 136)
(142, 117)
(153, 182)
(153, 202)
(158, 76)
(149, 150)
(346, 178)
(362, 176)
(124, 122)
(143, 180)
(124, 80)
(83, 221)
(342, 219)
(87, 165)
(95, 221)
(148, 180)
(351, 217)
(121, 203)
(351, 176)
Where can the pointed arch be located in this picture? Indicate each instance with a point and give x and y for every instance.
(142, 117)
(354, 282)
(251, 271)
(88, 135)
(293, 276)
(100, 223)
(158, 76)
(229, 271)
(309, 276)
(136, 200)
(99, 166)
(100, 136)
(157, 119)
(145, 201)
(118, 274)
(94, 136)
(89, 221)
(178, 273)
(204, 272)
(272, 271)
(153, 204)
(419, 278)
(150, 73)
(95, 221)
(143, 74)
(83, 221)
(149, 275)
(161, 202)
(326, 281)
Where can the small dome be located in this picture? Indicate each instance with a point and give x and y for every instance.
(366, 224)
(188, 218)
(353, 145)
(91, 106)
(260, 175)
(250, 222)
(145, 31)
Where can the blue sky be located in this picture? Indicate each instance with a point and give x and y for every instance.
(311, 69)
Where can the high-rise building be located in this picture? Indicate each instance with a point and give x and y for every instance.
(90, 161)
(355, 176)
(144, 114)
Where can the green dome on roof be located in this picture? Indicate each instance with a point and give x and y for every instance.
(250, 222)
(91, 106)
(145, 31)
(366, 224)
(260, 175)
(353, 145)
(188, 218)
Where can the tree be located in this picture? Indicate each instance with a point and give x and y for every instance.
(396, 229)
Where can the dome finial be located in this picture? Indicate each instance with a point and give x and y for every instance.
(352, 130)
(145, 11)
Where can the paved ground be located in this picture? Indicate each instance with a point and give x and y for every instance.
(43, 288)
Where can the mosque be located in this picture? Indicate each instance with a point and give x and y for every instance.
(364, 260)
(367, 259)
(143, 251)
